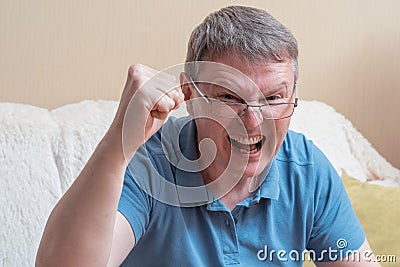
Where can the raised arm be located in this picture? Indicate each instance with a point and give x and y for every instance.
(85, 228)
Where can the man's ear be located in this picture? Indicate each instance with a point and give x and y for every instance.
(187, 92)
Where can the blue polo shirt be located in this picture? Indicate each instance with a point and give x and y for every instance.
(301, 205)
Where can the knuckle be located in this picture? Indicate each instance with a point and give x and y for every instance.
(167, 102)
(135, 69)
(135, 74)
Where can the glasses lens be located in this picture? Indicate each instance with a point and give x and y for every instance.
(278, 111)
(226, 109)
(235, 110)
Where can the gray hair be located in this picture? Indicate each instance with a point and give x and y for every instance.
(251, 33)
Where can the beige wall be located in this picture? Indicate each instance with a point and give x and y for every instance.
(58, 52)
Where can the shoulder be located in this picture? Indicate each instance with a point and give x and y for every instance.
(306, 163)
(166, 148)
(168, 137)
(296, 148)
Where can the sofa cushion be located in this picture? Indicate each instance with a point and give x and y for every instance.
(377, 208)
(82, 126)
(30, 184)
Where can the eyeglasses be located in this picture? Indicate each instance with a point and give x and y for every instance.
(274, 109)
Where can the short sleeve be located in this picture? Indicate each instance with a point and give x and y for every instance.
(142, 184)
(134, 204)
(336, 231)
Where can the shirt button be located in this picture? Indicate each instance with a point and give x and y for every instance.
(227, 223)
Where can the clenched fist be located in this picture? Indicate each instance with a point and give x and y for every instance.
(147, 99)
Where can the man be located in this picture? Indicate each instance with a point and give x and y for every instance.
(228, 185)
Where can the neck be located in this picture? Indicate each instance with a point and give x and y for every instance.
(230, 188)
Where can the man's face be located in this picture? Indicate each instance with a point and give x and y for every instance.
(246, 144)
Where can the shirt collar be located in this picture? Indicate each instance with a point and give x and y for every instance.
(270, 186)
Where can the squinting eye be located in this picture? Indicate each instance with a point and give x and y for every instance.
(229, 97)
(273, 97)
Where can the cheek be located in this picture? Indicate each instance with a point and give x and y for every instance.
(210, 127)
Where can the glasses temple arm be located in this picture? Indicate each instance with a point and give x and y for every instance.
(296, 97)
(198, 90)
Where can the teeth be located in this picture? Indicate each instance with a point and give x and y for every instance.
(247, 151)
(246, 140)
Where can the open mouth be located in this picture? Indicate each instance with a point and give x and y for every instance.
(249, 145)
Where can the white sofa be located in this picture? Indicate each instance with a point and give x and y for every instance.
(42, 151)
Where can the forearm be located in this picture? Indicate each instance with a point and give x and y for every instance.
(80, 228)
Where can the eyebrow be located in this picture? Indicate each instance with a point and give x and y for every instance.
(226, 86)
(283, 86)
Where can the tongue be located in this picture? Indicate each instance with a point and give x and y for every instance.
(253, 147)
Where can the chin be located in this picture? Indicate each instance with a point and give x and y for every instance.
(252, 171)
(248, 169)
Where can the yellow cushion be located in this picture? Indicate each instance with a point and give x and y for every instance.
(378, 210)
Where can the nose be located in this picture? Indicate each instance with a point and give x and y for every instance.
(252, 117)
